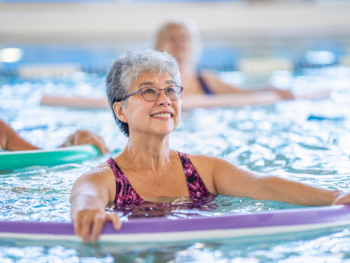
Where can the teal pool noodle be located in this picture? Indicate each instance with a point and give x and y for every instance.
(20, 159)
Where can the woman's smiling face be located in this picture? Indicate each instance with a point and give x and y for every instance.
(159, 117)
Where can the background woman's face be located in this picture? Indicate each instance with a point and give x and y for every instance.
(177, 42)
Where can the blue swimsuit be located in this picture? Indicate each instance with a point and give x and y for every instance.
(204, 85)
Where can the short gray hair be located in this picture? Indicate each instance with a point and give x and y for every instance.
(127, 68)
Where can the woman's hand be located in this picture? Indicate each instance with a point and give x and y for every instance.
(341, 198)
(88, 224)
(85, 137)
(89, 197)
(284, 94)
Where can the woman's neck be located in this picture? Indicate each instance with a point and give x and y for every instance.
(150, 152)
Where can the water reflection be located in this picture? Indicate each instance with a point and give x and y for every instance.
(326, 245)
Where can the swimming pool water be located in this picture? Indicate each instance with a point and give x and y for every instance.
(276, 139)
(330, 245)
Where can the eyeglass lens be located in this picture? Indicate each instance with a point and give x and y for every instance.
(152, 94)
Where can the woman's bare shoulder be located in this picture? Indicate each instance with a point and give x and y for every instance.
(206, 159)
(100, 179)
(203, 158)
(98, 172)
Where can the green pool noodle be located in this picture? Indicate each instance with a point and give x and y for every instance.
(20, 159)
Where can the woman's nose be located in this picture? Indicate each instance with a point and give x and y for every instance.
(163, 99)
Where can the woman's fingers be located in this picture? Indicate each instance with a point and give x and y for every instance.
(77, 224)
(105, 148)
(89, 224)
(290, 95)
(98, 223)
(86, 226)
(101, 145)
(95, 142)
(84, 137)
(342, 199)
(115, 221)
(286, 94)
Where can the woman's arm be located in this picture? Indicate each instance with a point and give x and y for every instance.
(219, 87)
(222, 177)
(232, 180)
(11, 141)
(90, 194)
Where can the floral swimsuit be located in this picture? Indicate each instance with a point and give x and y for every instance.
(126, 194)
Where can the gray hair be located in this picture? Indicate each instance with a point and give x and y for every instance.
(126, 69)
(192, 30)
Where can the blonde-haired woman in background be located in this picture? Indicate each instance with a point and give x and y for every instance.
(180, 38)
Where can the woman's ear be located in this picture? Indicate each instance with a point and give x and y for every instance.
(118, 110)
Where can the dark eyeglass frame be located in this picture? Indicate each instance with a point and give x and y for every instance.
(182, 89)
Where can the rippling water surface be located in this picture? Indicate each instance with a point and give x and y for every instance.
(277, 139)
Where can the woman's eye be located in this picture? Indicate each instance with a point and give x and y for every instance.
(148, 91)
(170, 90)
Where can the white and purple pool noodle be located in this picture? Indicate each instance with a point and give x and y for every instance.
(196, 228)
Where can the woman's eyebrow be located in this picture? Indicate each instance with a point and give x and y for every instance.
(146, 83)
(152, 83)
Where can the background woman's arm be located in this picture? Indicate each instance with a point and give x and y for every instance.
(11, 141)
(219, 87)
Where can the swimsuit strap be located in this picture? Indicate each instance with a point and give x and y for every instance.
(196, 187)
(125, 194)
(204, 85)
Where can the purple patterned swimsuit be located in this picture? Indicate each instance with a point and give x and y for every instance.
(126, 194)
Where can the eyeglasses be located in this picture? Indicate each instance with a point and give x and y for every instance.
(152, 94)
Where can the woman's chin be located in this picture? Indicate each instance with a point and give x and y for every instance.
(164, 131)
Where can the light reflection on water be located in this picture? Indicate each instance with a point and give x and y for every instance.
(274, 139)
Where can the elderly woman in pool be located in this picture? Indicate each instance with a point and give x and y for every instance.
(144, 92)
